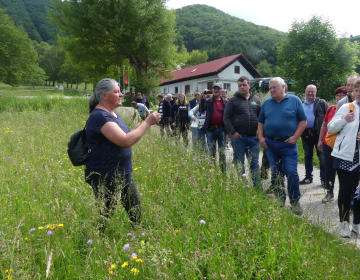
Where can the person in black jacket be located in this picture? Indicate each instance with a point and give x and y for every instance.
(240, 118)
(164, 110)
(180, 118)
(142, 99)
(214, 125)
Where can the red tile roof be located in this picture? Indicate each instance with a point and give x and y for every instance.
(210, 68)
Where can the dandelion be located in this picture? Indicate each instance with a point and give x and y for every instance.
(50, 232)
(135, 271)
(125, 264)
(40, 228)
(202, 222)
(111, 272)
(139, 260)
(247, 186)
(60, 225)
(90, 242)
(26, 238)
(126, 247)
(112, 266)
(244, 175)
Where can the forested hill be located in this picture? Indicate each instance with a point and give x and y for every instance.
(201, 27)
(32, 15)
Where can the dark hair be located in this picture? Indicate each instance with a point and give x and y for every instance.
(340, 90)
(104, 85)
(244, 78)
(160, 96)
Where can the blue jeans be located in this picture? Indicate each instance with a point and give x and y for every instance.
(217, 136)
(250, 146)
(288, 154)
(309, 154)
(199, 139)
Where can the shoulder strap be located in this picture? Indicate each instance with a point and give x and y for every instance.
(351, 107)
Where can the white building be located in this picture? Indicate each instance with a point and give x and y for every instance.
(225, 70)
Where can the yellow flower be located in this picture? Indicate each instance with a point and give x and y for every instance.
(125, 264)
(112, 266)
(176, 231)
(139, 260)
(111, 272)
(142, 243)
(134, 258)
(135, 168)
(26, 238)
(135, 271)
(40, 227)
(60, 225)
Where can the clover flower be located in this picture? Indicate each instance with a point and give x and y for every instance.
(50, 232)
(247, 186)
(90, 242)
(33, 229)
(202, 222)
(126, 247)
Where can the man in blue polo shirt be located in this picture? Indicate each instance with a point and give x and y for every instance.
(281, 122)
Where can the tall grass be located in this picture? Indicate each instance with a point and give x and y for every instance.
(199, 223)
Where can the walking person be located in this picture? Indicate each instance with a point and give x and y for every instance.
(323, 146)
(108, 170)
(346, 159)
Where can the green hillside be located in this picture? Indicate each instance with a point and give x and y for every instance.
(201, 27)
(32, 15)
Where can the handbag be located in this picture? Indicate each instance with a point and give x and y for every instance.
(331, 138)
(78, 150)
(308, 135)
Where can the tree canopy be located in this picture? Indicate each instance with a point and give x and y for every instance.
(18, 58)
(312, 54)
(109, 32)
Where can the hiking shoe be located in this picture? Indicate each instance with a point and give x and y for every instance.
(328, 197)
(345, 230)
(306, 181)
(296, 208)
(356, 229)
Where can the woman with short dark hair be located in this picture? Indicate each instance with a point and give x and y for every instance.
(180, 118)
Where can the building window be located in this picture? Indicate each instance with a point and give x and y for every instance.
(187, 89)
(209, 85)
(237, 69)
(164, 90)
(176, 89)
(227, 86)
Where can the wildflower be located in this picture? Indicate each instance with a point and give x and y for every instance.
(134, 255)
(35, 200)
(139, 260)
(111, 272)
(247, 186)
(40, 227)
(60, 225)
(3, 246)
(182, 158)
(1, 233)
(244, 175)
(142, 243)
(141, 194)
(227, 189)
(63, 177)
(125, 264)
(143, 234)
(112, 266)
(135, 271)
(26, 238)
(134, 237)
(50, 232)
(176, 231)
(90, 242)
(202, 222)
(8, 157)
(129, 234)
(126, 247)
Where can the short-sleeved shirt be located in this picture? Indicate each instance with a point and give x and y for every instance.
(330, 113)
(281, 119)
(142, 109)
(107, 158)
(309, 110)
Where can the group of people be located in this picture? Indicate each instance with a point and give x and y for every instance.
(274, 125)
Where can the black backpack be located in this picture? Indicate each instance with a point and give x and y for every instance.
(78, 150)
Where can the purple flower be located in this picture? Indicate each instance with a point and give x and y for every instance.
(227, 189)
(134, 237)
(63, 177)
(194, 159)
(90, 242)
(129, 234)
(35, 200)
(244, 175)
(1, 233)
(165, 155)
(202, 222)
(134, 255)
(126, 247)
(33, 229)
(8, 157)
(50, 232)
(247, 186)
(182, 158)
(192, 150)
(169, 155)
(141, 194)
(185, 160)
(3, 246)
(143, 234)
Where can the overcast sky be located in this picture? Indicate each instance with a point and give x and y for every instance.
(279, 14)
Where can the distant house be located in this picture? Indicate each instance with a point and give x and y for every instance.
(225, 70)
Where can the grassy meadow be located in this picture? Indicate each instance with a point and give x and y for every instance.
(199, 223)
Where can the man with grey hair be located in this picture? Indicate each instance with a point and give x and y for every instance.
(281, 122)
(315, 110)
(350, 91)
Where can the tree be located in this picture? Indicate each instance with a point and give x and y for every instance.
(18, 58)
(313, 55)
(264, 68)
(106, 33)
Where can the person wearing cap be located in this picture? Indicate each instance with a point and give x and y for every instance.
(165, 111)
(214, 124)
(141, 109)
(170, 99)
(281, 122)
(240, 118)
